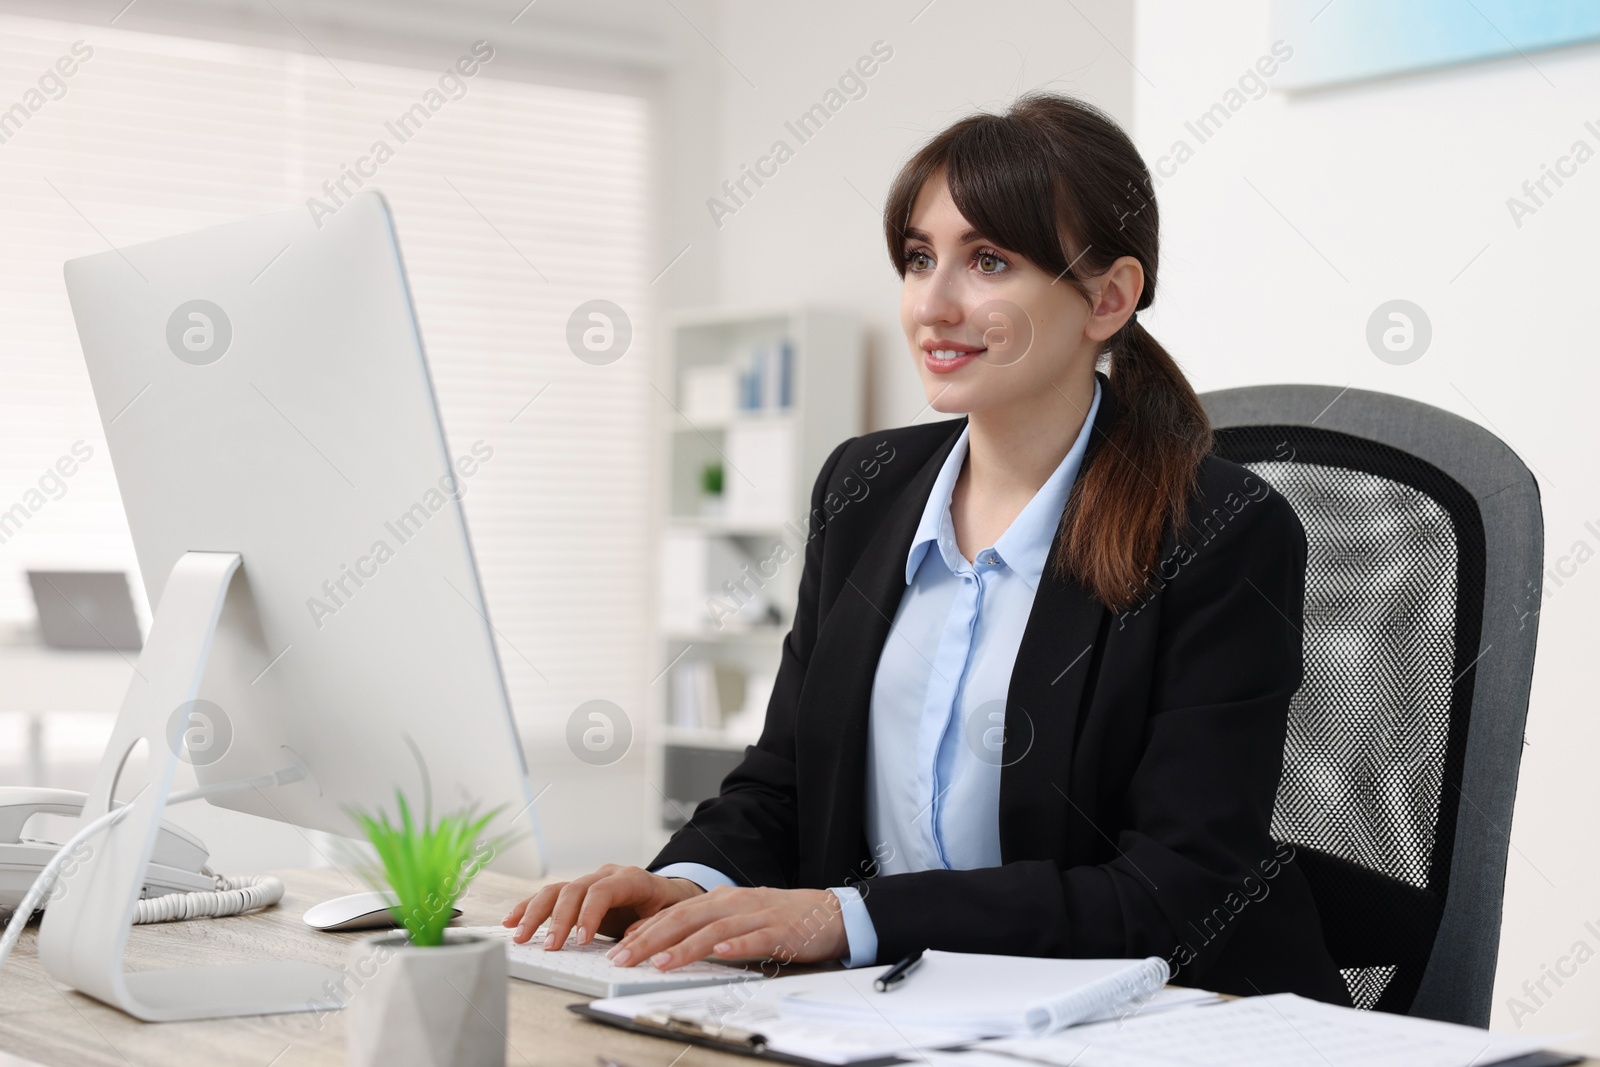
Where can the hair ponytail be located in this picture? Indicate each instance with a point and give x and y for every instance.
(1139, 482)
(1059, 182)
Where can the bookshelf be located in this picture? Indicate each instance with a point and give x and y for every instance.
(761, 396)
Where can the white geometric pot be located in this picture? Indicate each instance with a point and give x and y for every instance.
(443, 1006)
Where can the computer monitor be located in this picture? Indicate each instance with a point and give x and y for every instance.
(264, 392)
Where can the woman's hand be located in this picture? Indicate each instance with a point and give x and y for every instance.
(787, 925)
(606, 902)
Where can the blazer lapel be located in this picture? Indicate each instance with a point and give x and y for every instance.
(832, 737)
(1046, 694)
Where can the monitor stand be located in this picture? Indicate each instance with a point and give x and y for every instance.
(84, 936)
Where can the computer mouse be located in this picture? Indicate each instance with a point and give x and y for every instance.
(358, 911)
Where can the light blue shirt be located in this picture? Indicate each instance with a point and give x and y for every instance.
(934, 742)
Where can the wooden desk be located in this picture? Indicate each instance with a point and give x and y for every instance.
(42, 1020)
(52, 1024)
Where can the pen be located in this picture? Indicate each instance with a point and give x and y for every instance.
(897, 974)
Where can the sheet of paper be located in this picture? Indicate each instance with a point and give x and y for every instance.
(1165, 999)
(980, 995)
(982, 1057)
(1282, 1030)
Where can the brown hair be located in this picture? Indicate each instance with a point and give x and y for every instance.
(1056, 180)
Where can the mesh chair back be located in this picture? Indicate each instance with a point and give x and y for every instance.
(1425, 544)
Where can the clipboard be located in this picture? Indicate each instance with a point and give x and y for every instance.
(1542, 1058)
(743, 1048)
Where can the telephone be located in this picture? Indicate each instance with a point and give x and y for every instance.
(177, 882)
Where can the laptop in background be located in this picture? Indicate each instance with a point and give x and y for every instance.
(86, 610)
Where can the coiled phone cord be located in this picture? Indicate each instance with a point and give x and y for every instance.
(234, 894)
(229, 891)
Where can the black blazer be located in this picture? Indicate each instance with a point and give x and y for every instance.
(1142, 750)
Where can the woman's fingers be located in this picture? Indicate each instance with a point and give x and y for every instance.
(733, 923)
(785, 924)
(756, 926)
(564, 916)
(610, 898)
(701, 899)
(762, 943)
(683, 915)
(514, 916)
(670, 925)
(626, 887)
(527, 915)
(644, 923)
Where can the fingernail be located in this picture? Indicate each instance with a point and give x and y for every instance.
(722, 949)
(551, 944)
(507, 919)
(661, 959)
(583, 935)
(622, 957)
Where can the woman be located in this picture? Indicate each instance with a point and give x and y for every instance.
(1035, 695)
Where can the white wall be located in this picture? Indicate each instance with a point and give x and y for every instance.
(814, 232)
(1286, 230)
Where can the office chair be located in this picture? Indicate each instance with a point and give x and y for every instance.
(1425, 549)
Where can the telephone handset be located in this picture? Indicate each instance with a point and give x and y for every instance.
(177, 865)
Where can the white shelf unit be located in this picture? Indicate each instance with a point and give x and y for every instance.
(826, 370)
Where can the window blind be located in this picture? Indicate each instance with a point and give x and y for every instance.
(515, 203)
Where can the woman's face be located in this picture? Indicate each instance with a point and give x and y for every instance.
(986, 327)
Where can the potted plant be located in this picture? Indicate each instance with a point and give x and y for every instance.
(426, 996)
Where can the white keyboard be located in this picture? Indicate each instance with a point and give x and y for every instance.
(585, 969)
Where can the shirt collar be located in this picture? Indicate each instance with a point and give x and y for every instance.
(1025, 545)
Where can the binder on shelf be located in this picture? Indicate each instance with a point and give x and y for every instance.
(710, 394)
(746, 722)
(766, 382)
(706, 584)
(704, 693)
(759, 482)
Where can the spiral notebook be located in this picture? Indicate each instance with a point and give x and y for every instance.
(988, 996)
